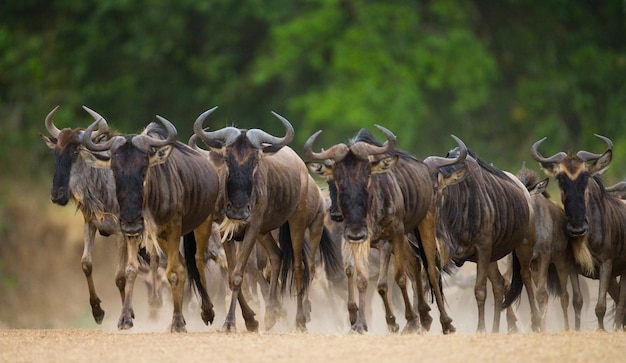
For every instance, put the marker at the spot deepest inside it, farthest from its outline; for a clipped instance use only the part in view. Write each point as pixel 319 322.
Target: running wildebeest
pixel 595 218
pixel 265 186
pixel 94 194
pixel 383 194
pixel 165 190
pixel 481 219
pixel 551 248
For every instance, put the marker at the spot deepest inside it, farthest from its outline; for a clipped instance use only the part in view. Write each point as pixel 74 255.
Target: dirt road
pixel 82 345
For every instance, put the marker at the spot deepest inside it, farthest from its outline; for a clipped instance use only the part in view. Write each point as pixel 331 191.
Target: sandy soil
pixel 81 345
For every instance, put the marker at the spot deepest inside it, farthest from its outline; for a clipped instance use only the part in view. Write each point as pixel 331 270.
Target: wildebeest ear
pixel 95 160
pixel 50 141
pixel 453 178
pixel 539 187
pixel 384 164
pixel 319 169
pixel 601 163
pixel 550 168
pixel 161 154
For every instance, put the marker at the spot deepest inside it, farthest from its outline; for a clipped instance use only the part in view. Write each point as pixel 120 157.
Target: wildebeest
pixel 481 219
pixel 165 190
pixel 94 194
pixel 595 218
pixel 552 261
pixel 383 194
pixel 265 186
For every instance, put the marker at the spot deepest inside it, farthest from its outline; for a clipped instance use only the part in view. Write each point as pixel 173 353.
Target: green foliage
pixel 500 75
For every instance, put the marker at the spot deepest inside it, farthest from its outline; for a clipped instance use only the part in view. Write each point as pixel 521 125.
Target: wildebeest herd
pixel 171 205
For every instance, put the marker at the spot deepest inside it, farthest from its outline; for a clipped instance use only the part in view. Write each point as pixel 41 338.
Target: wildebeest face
pixel 66 154
pixel 573 172
pixel 352 176
pixel 242 160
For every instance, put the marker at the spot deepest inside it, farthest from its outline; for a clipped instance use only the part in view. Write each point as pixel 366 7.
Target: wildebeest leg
pixel 540 275
pixel 132 268
pixel 524 253
pixel 315 229
pixel 231 257
pixel 155 299
pixel 300 273
pixel 480 287
pixel 426 231
pixel 385 257
pixel 175 272
pixel 604 276
pixel 577 298
pixel 562 268
pixel 497 286
pixel 202 234
pixel 273 307
pixel 398 244
pixel 353 308
pixel 94 300
pixel 122 260
pixel 621 303
pixel 419 295
pixel 236 279
pixel 360 253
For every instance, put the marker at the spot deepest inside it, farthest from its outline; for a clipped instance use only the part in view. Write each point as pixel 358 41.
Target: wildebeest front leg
pixel 383 289
pixel 236 279
pixel 497 285
pixel 621 304
pixel 412 321
pixel 577 297
pixel 132 268
pixel 360 252
pixel 604 276
pixel 202 234
pixel 94 300
pixel 273 308
pixel 480 288
pixel 175 272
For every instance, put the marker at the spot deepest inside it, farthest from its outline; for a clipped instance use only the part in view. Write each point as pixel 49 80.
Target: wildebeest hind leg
pixel 383 289
pixel 94 300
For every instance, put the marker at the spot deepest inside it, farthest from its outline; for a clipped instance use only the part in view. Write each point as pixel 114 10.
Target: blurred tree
pixel 499 75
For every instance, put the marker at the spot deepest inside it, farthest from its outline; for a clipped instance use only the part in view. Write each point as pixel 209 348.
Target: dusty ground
pixel 81 345
pixel 45 316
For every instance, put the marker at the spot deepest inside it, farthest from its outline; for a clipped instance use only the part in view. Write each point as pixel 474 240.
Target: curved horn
pixel 171 134
pixel 388 146
pixel 437 162
pixel 53 130
pixel 619 187
pixel 88 140
pixel 337 152
pixel 258 137
pixel 193 143
pixel 586 155
pixel 556 158
pixel 104 126
pixel 215 139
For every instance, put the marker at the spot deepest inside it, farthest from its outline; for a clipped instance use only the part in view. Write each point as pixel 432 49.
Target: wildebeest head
pixel 449 170
pixel 66 143
pixel 572 172
pixel 237 156
pixel 350 169
pixel 130 158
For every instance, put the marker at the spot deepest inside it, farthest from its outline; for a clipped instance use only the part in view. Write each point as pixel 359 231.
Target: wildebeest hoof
pixel 207 316
pixel 98 313
pixel 229 328
pixel 124 323
pixel 426 319
pixel 252 326
pixel 392 326
pixel 412 327
pixel 449 329
pixel 353 309
pixel 359 328
pixel 178 327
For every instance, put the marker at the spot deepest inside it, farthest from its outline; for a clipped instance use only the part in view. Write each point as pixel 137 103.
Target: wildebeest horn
pixel 258 137
pixel 556 158
pixel 88 139
pixel 586 155
pixel 104 126
pixel 337 152
pixel 619 187
pixel 53 130
pixel 215 139
pixel 389 145
pixel 171 134
pixel 437 162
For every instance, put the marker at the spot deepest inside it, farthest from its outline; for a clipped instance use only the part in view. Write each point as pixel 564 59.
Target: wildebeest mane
pixel 364 135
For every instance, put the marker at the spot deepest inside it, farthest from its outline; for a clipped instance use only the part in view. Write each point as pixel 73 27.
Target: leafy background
pixel 498 74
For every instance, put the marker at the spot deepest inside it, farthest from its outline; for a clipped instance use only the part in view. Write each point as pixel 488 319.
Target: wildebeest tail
pixel 554 285
pixel 287 256
pixel 330 253
pixel 515 289
pixel 189 247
